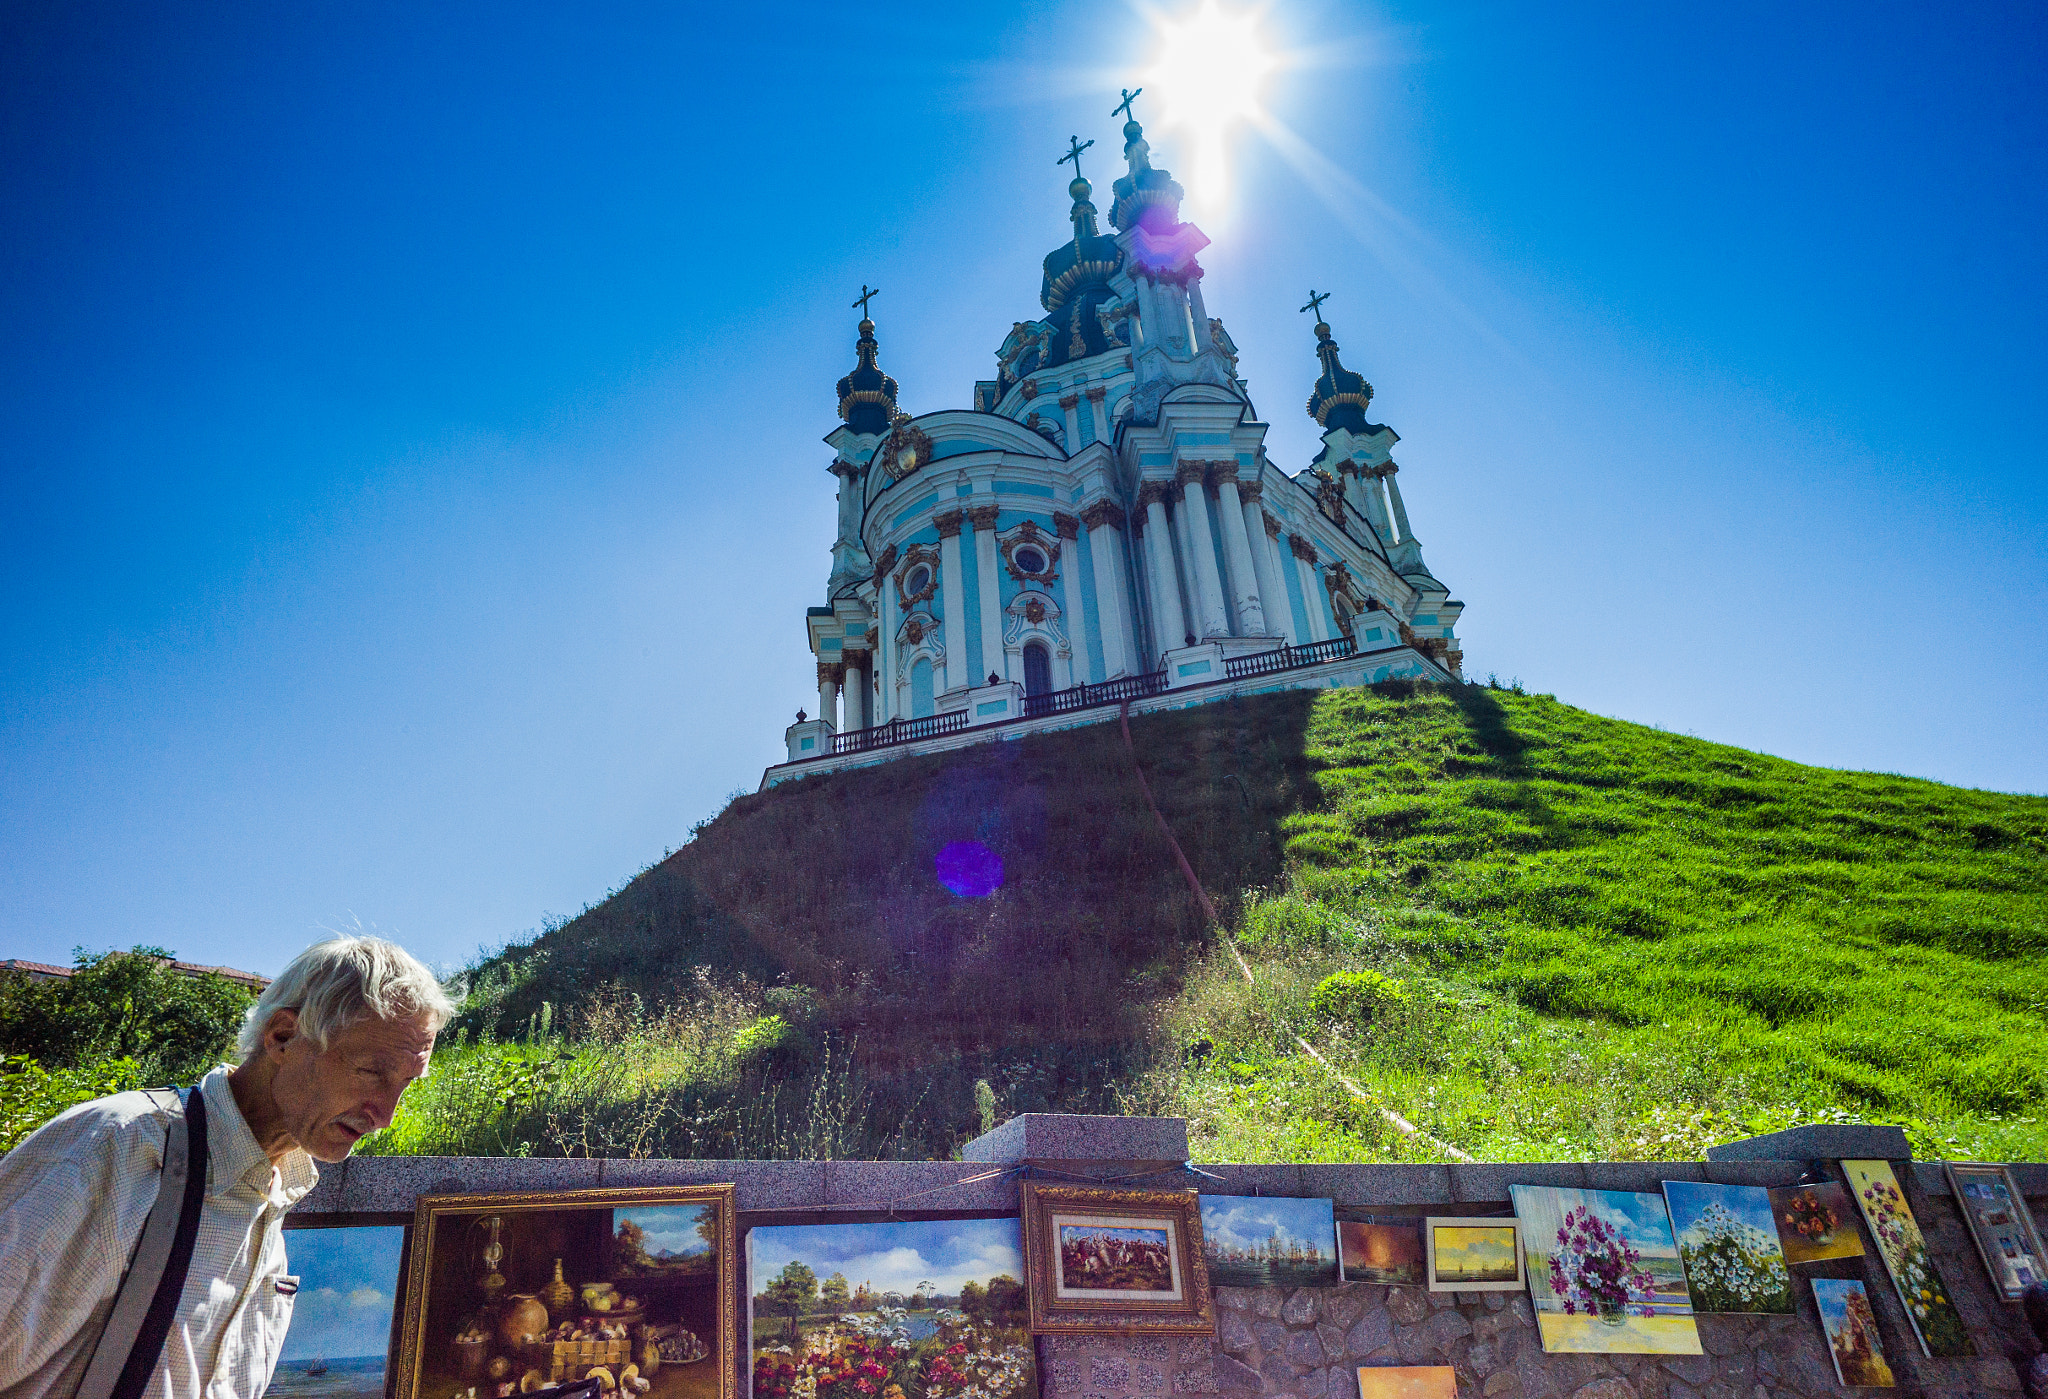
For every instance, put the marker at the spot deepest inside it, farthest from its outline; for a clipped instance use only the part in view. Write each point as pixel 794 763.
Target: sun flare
pixel 1210 66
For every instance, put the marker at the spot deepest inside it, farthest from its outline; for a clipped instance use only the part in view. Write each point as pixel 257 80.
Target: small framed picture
pixel 1100 1260
pixel 1851 1328
pixel 2001 1226
pixel 1472 1254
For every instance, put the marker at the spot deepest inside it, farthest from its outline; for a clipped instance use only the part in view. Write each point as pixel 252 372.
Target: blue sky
pixel 410 416
pixel 347 1281
pixel 892 1257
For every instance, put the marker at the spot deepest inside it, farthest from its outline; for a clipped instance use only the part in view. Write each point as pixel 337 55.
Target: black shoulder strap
pixel 163 1306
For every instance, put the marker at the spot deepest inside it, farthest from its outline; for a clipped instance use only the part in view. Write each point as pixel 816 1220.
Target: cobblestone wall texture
pixel 1309 1343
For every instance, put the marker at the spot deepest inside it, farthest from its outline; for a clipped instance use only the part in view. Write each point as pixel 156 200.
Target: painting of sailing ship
pixel 1267 1241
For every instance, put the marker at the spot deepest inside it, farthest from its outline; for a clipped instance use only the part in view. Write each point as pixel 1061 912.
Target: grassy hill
pixel 1595 939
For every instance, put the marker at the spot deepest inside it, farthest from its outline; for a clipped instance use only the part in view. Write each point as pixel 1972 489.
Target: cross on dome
pixel 1123 108
pixel 867 294
pixel 1315 303
pixel 1074 155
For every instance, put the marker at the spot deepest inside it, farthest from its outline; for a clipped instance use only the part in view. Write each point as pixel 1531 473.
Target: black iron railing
pixel 1289 657
pixel 1131 687
pixel 899 731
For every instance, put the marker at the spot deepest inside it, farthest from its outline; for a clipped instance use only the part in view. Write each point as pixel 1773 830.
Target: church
pixel 1102 525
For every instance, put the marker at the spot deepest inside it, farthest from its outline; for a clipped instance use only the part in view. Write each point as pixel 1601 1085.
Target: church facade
pixel 1103 525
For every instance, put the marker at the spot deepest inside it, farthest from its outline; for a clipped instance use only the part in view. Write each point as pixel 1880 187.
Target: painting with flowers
pixel 1728 1242
pixel 1899 1242
pixel 1816 1223
pixel 1604 1272
pixel 930 1309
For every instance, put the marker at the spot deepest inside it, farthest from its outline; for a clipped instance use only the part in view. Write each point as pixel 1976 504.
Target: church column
pixel 1069 402
pixel 994 661
pixel 1198 312
pixel 1073 597
pixel 1372 504
pixel 885 650
pixel 857 690
pixel 1169 625
pixel 1311 587
pixel 953 593
pixel 1272 592
pixel 1095 406
pixel 1105 547
pixel 1237 544
pixel 828 693
pixel 1212 615
pixel 1387 471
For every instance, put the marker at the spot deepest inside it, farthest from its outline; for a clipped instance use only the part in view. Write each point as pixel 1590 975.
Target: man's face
pixel 331 1099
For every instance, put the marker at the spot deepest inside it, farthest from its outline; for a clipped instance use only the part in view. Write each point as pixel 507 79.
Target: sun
pixel 1208 74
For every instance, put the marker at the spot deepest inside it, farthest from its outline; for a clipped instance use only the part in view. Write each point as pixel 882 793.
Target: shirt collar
pixel 234 1155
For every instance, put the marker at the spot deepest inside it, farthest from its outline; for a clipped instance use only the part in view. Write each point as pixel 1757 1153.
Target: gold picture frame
pixel 641 1278
pixel 1099 1260
pixel 2001 1225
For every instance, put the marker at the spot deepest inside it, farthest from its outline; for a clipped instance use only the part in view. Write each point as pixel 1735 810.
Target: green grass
pixel 1625 944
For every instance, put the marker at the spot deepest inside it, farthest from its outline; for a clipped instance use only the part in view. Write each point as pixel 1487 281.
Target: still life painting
pixel 1604 1272
pixel 1851 1329
pixel 1407 1382
pixel 1471 1254
pixel 929 1309
pixel 1388 1253
pixel 1816 1222
pixel 508 1294
pixel 1102 1260
pixel 1728 1242
pixel 1925 1296
pixel 2001 1224
pixel 1269 1241
pixel 339 1343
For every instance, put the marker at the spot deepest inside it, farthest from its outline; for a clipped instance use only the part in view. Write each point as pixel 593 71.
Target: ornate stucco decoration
pixel 1330 497
pixel 1303 550
pixel 983 516
pixel 916 556
pixel 1035 613
pixel 907 449
pixel 1029 535
pixel 948 523
pixel 1103 512
pixel 884 564
pixel 1065 525
pixel 920 634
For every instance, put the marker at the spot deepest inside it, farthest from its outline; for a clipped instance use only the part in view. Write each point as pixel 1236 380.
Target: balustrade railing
pixel 1089 696
pixel 899 731
pixel 1289 658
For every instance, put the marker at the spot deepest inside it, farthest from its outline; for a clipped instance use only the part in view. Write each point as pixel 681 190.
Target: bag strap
pixel 126 1355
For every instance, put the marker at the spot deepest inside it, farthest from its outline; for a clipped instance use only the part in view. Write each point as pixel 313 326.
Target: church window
pixel 1028 560
pixel 914 583
pixel 1037 669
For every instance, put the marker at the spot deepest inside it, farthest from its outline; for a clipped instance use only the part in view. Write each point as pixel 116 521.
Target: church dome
pixel 1076 283
pixel 1145 196
pixel 1341 396
pixel 867 397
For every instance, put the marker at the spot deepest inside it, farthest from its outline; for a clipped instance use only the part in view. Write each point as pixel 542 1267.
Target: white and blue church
pixel 1103 525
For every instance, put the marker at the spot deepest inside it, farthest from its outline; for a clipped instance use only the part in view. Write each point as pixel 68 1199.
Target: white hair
pixel 337 983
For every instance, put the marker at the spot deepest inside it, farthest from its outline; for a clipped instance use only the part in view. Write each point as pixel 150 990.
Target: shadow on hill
pixel 1043 986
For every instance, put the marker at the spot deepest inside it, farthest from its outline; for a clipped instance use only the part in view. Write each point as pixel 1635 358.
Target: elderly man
pixel 325 1053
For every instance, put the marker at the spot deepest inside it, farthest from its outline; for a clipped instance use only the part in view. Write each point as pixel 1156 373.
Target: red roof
pixel 42 970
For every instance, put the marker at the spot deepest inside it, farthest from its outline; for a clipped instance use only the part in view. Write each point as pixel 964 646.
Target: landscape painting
pixel 1728 1242
pixel 1604 1272
pixel 1816 1222
pixel 1899 1242
pixel 1472 1255
pixel 1382 1253
pixel 931 1309
pixel 339 1341
pixel 1407 1382
pixel 1269 1241
pixel 1851 1329
pixel 665 1241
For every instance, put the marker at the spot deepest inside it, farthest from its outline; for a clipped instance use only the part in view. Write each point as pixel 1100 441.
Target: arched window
pixel 1037 669
pixel 921 705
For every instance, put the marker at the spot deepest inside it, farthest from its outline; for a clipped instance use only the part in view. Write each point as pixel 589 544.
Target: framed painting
pixel 1728 1242
pixel 1471 1254
pixel 925 1309
pixel 1851 1329
pixel 1115 1261
pixel 339 1344
pixel 1936 1324
pixel 1382 1251
pixel 1816 1222
pixel 1407 1382
pixel 2001 1224
pixel 508 1294
pixel 1604 1272
pixel 1269 1241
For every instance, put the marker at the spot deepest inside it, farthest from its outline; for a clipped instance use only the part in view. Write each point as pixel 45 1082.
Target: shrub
pixel 1356 998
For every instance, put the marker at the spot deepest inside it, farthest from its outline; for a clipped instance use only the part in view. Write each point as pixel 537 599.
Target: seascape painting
pixel 1816 1222
pixel 1472 1254
pixel 1604 1272
pixel 1851 1330
pixel 933 1309
pixel 339 1342
pixel 1382 1253
pixel 1921 1291
pixel 1269 1241
pixel 1728 1242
